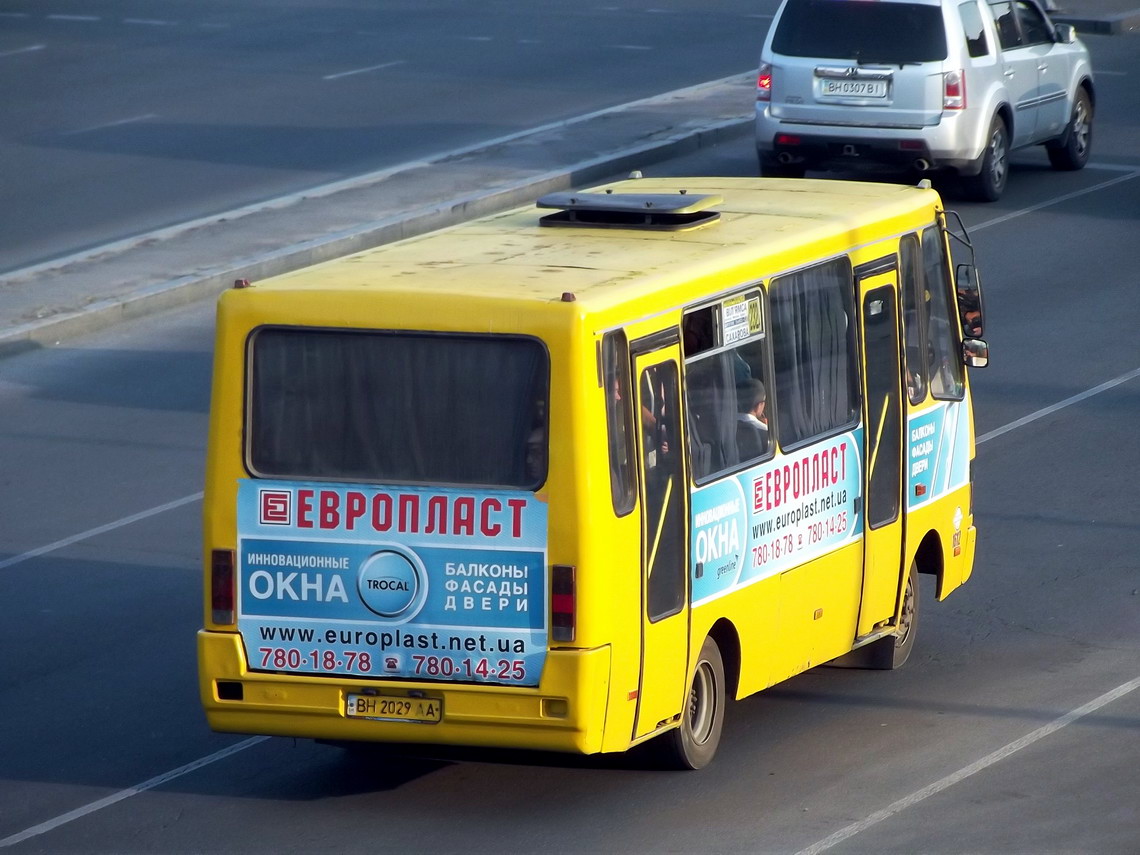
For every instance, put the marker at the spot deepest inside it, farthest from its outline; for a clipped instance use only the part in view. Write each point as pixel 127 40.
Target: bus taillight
pixel 222 585
pixel 563 602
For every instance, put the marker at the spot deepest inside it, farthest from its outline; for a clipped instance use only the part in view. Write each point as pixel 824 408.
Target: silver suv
pixel 921 84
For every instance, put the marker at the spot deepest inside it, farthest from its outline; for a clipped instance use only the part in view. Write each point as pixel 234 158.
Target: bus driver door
pixel 664 498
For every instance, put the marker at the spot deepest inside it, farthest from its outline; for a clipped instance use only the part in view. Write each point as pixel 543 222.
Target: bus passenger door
pixel 883 537
pixel 664 540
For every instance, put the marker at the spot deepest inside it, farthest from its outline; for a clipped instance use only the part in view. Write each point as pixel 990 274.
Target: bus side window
pixel 944 353
pixel 913 319
pixel 701 393
pixel 814 352
pixel 619 416
pixel 726 388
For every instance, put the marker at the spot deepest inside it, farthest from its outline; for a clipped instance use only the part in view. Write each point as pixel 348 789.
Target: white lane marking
pixel 630 47
pixel 14 15
pixel 157 781
pixel 74 18
pixel 478 38
pixel 370 178
pixel 1060 405
pixel 357 181
pixel 94 532
pixel 114 124
pixel 1133 172
pixel 27 49
pixel 975 767
pixel 1114 167
pixel 1101 71
pixel 149 22
pixel 362 70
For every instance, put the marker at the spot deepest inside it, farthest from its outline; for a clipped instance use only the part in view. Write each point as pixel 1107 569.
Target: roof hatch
pixel 652 211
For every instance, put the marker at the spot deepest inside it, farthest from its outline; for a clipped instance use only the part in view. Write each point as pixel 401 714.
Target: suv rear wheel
pixel 1072 150
pixel 988 184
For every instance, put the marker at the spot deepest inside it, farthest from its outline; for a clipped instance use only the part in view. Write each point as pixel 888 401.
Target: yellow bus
pixel 572 477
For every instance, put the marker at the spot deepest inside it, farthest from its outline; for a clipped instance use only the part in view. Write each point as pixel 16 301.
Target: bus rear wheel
pixel 693 744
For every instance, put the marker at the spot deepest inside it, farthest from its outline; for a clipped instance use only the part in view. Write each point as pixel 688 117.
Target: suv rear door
pixel 830 59
pixel 1019 69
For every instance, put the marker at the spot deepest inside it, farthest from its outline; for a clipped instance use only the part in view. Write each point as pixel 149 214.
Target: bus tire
pixel 693 744
pixel 891 652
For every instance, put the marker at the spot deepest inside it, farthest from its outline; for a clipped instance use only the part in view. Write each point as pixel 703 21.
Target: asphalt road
pixel 1014 728
pixel 123 116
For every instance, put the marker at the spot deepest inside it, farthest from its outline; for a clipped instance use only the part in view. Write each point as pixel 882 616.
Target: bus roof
pixel 765 226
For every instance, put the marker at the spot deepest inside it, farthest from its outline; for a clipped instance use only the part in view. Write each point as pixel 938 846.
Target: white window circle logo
pixel 391 583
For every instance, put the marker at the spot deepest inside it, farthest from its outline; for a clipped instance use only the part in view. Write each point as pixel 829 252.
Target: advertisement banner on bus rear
pixel 397 582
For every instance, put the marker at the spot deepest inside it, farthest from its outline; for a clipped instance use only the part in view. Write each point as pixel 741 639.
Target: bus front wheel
pixel 693 744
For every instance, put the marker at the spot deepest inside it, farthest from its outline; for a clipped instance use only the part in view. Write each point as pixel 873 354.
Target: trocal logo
pixel 391 583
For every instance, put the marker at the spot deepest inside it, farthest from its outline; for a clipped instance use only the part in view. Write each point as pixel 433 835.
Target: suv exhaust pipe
pixel 922 165
pixel 785 158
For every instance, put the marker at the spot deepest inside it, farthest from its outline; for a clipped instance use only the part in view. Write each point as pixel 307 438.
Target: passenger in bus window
pixel 653 414
pixel 751 423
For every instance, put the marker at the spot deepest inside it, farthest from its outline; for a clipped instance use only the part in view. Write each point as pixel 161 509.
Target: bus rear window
pixel 394 407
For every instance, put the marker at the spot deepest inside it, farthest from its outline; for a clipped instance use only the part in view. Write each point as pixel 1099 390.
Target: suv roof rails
pixel 651 211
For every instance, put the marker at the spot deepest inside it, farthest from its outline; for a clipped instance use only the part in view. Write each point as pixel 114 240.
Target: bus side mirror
pixel 969 300
pixel 975 353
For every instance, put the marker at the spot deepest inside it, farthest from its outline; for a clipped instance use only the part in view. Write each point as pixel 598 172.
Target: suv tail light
pixel 764 83
pixel 954 90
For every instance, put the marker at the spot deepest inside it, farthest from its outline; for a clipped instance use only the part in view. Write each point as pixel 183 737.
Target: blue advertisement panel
pixel 938 453
pixel 778 515
pixel 435 584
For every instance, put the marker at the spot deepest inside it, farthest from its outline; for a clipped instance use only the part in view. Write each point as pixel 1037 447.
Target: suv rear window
pixel 869 32
pixel 398 407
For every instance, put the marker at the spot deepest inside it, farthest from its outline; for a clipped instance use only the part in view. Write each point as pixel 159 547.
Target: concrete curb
pixel 208 283
pixel 88 292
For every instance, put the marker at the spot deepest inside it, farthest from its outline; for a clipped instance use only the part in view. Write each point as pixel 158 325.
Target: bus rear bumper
pixel 566 712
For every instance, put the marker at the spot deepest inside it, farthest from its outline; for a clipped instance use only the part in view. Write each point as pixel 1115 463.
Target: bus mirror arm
pixel 975 353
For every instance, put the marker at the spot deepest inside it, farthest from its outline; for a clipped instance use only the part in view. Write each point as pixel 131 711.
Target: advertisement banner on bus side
pixel 938 452
pixel 779 514
pixel 400 582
